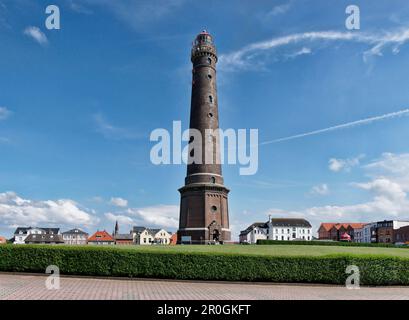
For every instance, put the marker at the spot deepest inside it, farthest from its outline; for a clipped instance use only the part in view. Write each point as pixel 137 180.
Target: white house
pixel 282 229
pixel 287 229
pixel 22 233
pixel 148 236
pixel 256 231
pixel 75 237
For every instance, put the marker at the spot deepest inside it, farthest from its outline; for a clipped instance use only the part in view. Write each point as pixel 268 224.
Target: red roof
pixel 101 236
pixel 354 225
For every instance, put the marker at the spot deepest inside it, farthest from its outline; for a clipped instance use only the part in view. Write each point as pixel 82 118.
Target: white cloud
pixel 36 34
pixel 119 202
pixel 110 131
pixel 78 8
pixel 388 186
pixel 248 57
pixel 122 219
pixel 4 113
pixel 338 165
pixel 16 211
pixel 165 216
pixel 279 9
pixel 301 52
pixel 366 121
pixel 321 189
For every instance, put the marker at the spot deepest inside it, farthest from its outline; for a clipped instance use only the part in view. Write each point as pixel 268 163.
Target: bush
pixel 97 261
pixel 328 243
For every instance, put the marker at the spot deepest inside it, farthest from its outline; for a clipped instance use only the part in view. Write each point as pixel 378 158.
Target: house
pixel 401 235
pixel 3 240
pixel 281 229
pixel 75 237
pixel 124 239
pixel 146 236
pixel 174 239
pixel 384 231
pixel 21 233
pixel 256 231
pixel 287 229
pixel 44 238
pixel 334 231
pixel 101 238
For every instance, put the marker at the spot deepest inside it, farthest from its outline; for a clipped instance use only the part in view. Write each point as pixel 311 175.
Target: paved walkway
pixel 33 287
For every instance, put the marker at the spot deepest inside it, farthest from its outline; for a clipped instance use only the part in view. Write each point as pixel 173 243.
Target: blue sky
pixel 77 106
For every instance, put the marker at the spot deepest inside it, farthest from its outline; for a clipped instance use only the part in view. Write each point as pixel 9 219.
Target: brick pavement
pixel 32 287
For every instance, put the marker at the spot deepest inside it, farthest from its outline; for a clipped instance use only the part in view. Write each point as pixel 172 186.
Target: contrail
pixel 341 126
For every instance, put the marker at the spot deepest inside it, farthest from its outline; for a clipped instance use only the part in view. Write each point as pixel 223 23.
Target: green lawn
pixel 273 250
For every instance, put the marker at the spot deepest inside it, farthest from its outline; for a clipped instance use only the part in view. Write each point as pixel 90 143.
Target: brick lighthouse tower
pixel 204 211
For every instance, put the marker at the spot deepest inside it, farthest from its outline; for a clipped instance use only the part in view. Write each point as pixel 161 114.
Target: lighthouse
pixel 204 211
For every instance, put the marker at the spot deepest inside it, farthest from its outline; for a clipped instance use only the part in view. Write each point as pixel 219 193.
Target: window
pixel 288 230
pixel 210 115
pixel 211 99
pixel 213 209
pixel 209 61
pixel 213 180
pixel 282 237
pixel 209 76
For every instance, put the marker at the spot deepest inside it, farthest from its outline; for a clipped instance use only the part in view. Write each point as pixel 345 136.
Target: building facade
pixel 280 229
pixel 401 235
pixel 44 238
pixel 287 229
pixel 385 230
pixel 75 237
pixel 102 238
pixel 334 231
pixel 204 211
pixel 149 236
pixel 257 231
pixel 21 233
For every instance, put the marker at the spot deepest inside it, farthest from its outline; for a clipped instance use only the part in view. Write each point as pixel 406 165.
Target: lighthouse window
pixel 211 99
pixel 213 208
pixel 209 60
pixel 210 115
pixel 213 179
pixel 209 76
pixel 192 153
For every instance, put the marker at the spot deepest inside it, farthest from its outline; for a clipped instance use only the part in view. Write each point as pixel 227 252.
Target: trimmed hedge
pixel 328 243
pixel 92 261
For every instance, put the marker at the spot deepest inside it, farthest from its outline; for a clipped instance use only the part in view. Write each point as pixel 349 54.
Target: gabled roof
pixel 290 222
pixel 138 229
pixel 152 232
pixel 125 236
pixel 101 236
pixel 51 230
pixel 46 230
pixel 329 225
pixel 44 238
pixel 75 231
pixel 22 229
pixel 254 225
